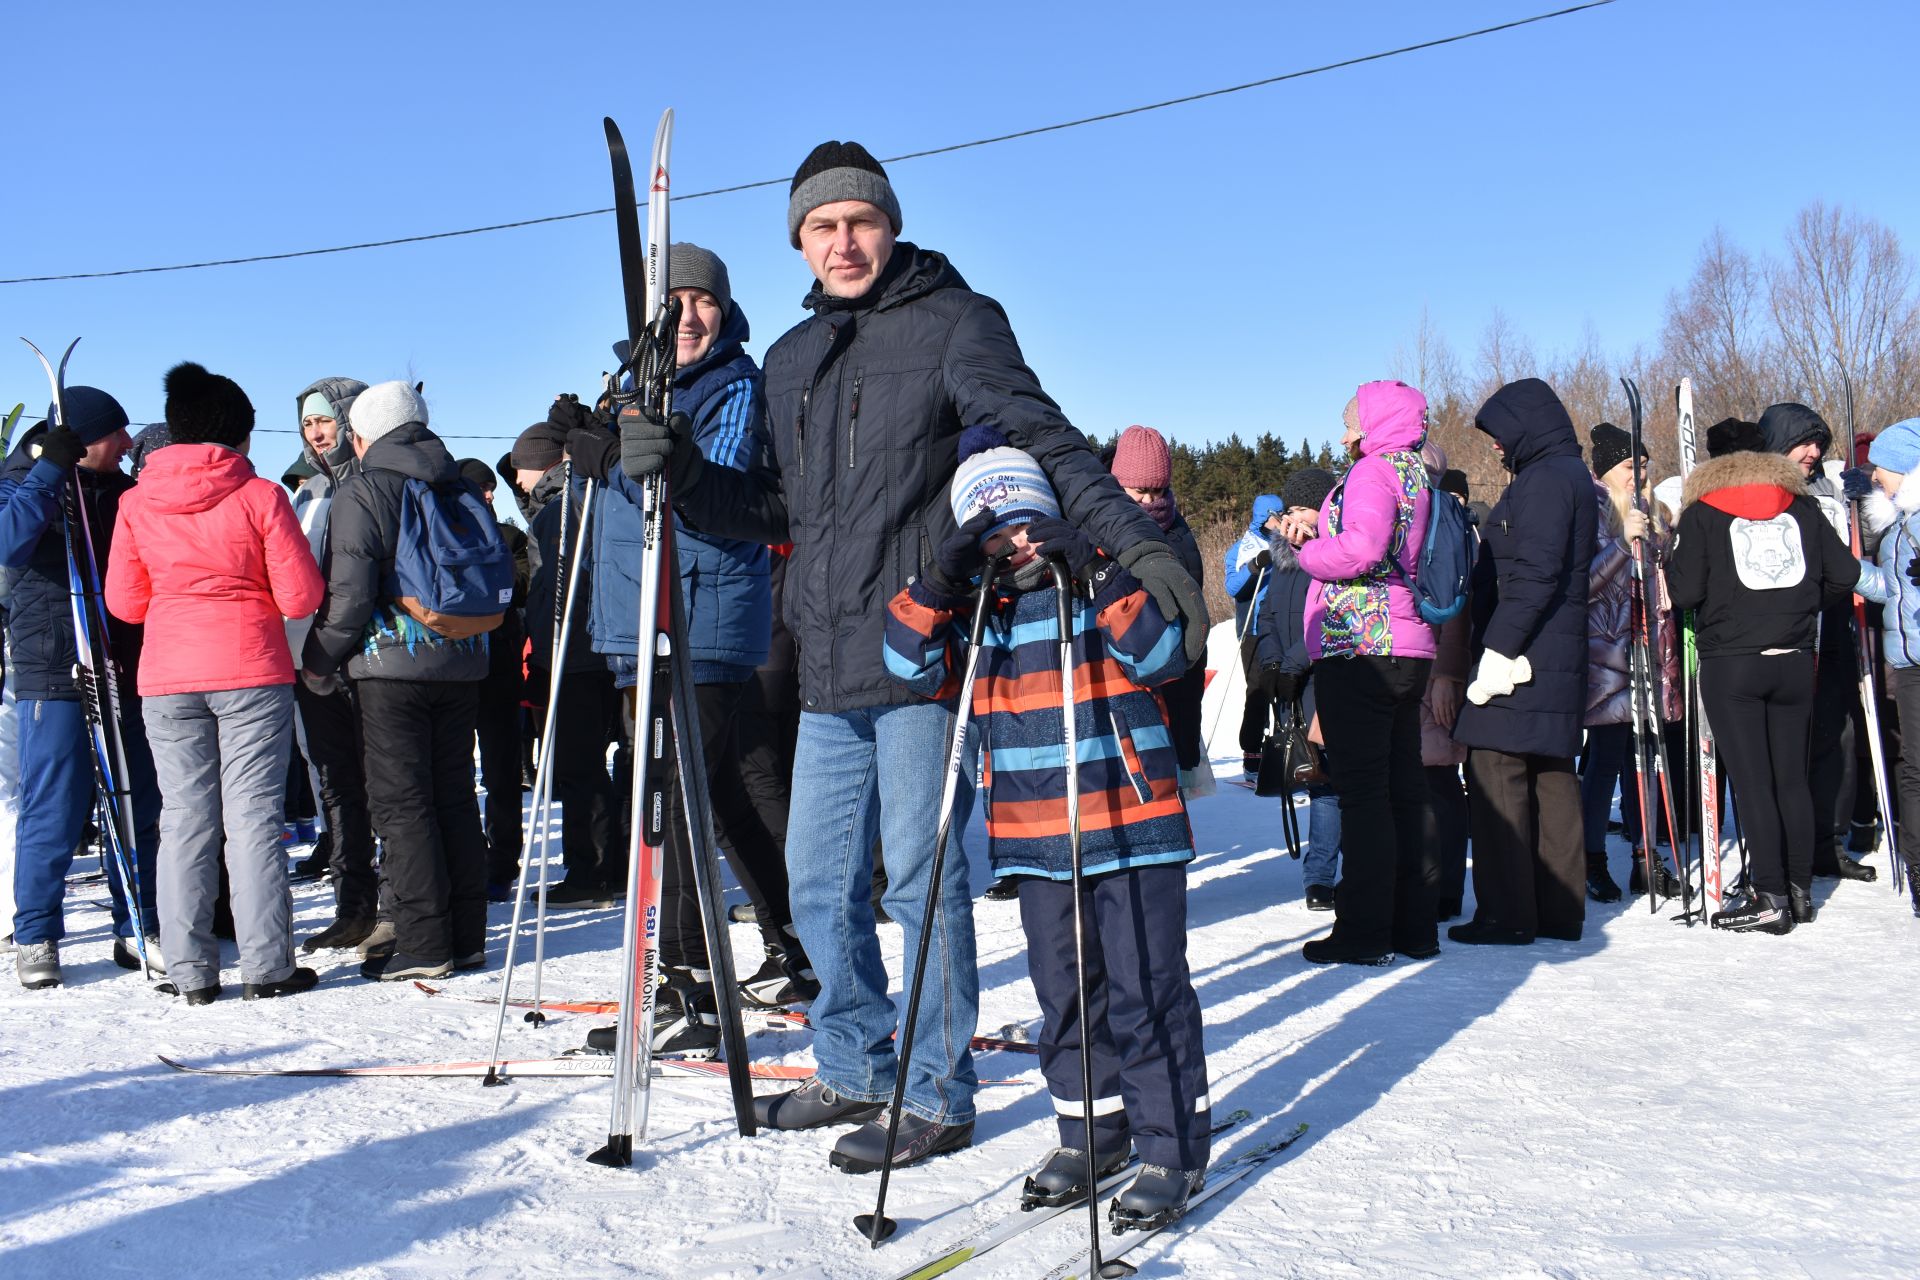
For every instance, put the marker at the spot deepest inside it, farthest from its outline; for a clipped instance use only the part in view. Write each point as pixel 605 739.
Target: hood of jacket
pixel 412 451
pixel 1264 506
pixel 1393 417
pixel 912 272
pixel 1528 421
pixel 192 477
pixel 1752 486
pixel 340 393
pixel 1788 424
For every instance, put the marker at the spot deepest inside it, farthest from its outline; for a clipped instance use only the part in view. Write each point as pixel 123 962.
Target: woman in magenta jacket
pixel 211 558
pixel 1372 653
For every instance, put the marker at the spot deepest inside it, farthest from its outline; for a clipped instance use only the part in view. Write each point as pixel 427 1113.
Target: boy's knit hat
pixel 691 267
pixel 836 171
pixel 994 474
pixel 1141 460
pixel 384 408
pixel 539 447
pixel 206 408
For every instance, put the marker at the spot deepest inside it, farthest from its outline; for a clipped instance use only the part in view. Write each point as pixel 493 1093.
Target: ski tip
pixel 876 1229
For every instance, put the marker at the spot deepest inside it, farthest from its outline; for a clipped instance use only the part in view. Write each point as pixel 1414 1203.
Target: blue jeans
pixel 878 771
pixel 56 799
pixel 1321 862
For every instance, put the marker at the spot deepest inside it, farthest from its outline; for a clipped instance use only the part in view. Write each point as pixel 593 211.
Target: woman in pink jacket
pixel 1372 652
pixel 210 557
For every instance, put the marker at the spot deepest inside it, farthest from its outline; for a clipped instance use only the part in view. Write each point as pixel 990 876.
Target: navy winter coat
pixel 1530 582
pixel 723 581
pixel 866 402
pixel 33 556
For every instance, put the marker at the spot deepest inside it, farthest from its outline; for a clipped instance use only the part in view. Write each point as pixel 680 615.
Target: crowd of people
pixel 837 512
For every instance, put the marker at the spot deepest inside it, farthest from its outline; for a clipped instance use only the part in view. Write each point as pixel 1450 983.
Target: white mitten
pixel 1497 677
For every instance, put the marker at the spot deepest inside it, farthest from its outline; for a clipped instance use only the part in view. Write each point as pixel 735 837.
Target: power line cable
pixel 773 182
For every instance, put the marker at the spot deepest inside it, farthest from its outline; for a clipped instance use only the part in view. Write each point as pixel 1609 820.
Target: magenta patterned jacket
pixel 1359 603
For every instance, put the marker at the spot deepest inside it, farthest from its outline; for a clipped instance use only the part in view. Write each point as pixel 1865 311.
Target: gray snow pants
pixel 221 761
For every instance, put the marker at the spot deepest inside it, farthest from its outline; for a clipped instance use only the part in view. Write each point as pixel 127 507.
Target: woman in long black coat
pixel 1528 690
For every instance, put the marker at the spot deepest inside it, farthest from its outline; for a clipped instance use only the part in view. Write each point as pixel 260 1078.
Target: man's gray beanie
pixel 691 267
pixel 838 171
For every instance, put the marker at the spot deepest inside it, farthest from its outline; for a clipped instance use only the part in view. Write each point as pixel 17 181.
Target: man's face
pixel 847 244
pixel 1011 542
pixel 524 478
pixel 700 320
pixel 1806 455
pixel 105 454
pixel 321 433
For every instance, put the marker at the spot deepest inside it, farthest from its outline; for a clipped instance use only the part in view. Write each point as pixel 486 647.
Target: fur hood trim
pixel 1739 470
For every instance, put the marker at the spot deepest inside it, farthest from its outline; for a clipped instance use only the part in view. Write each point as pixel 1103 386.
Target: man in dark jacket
pixel 499 716
pixel 729 607
pixel 1804 438
pixel 418 694
pixel 867 400
pixel 1529 686
pixel 328 724
pixel 79 457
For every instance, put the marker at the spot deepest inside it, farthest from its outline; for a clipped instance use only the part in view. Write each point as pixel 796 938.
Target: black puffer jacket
pixel 33 551
pixel 1530 581
pixel 866 401
pixel 359 626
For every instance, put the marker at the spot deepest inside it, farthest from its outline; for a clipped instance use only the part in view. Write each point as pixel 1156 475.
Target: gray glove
pixel 1173 589
pixel 649 447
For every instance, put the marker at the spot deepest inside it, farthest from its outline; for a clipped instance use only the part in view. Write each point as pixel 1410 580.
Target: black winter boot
pixel 1663 880
pixel 1601 886
pixel 1830 863
pixel 1800 903
pixel 1913 886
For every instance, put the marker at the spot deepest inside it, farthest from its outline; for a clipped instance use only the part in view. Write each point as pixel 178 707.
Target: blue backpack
pixel 1439 581
pixel 452 570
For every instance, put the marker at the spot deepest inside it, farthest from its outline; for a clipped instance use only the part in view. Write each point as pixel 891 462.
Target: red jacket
pixel 211 558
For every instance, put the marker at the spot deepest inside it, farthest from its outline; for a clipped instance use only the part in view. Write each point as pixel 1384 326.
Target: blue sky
pixel 1237 264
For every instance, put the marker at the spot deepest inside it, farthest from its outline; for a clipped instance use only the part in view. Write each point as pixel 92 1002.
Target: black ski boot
pixel 1158 1196
pixel 1829 863
pixel 1601 886
pixel 1800 904
pixel 785 977
pixel 1757 913
pixel 1663 880
pixel 686 1022
pixel 1062 1179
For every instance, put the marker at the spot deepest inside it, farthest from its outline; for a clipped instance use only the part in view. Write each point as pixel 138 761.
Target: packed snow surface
pixel 1652 1100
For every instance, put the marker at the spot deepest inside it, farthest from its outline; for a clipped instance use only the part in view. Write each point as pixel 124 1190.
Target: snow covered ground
pixel 1652 1100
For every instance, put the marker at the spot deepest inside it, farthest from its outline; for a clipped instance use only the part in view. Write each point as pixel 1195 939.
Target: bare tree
pixel 1719 330
pixel 1429 363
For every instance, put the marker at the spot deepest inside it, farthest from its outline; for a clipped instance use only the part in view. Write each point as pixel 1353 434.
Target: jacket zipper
pixel 853 418
pixel 800 428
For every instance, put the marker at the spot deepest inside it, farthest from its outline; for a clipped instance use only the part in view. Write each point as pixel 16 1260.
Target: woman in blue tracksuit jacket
pixel 729 606
pixel 1892 578
pixel 1249 571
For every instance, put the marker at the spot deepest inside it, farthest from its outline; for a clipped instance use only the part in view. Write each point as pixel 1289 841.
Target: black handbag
pixel 1288 762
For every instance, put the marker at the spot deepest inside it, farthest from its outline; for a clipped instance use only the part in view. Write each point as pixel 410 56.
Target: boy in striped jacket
pixel 1149 1067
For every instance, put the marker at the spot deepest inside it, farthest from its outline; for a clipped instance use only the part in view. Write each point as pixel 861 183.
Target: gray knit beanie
pixel 838 171
pixel 691 267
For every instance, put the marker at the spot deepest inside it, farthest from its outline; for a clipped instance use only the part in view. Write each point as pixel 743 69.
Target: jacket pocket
pixel 1130 755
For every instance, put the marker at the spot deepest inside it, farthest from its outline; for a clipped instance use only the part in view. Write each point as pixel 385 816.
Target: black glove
pixel 1263 561
pixel 960 557
pixel 62 447
pixel 1277 684
pixel 1173 589
pixel 569 414
pixel 649 447
pixel 1051 536
pixel 1856 483
pixel 593 451
pixel 1913 571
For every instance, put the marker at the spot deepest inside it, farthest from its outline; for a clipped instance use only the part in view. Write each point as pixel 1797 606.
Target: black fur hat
pixel 206 408
pixel 1731 435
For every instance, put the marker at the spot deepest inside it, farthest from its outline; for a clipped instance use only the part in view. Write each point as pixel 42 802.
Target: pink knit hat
pixel 1140 459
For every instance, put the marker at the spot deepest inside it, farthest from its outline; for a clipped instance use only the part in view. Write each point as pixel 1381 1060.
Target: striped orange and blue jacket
pixel 1131 814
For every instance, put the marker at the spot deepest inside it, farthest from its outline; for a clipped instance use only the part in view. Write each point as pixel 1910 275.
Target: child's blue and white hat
pixel 994 474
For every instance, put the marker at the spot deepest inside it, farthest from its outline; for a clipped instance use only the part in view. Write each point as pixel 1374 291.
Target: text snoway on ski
pixel 664 707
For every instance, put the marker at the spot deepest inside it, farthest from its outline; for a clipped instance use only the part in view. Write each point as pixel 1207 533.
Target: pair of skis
pixel 666 716
pixel 97 676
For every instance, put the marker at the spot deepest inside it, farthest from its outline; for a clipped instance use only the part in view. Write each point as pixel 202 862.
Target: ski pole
pixel 1070 721
pixel 1239 639
pixel 877 1226
pixel 542 785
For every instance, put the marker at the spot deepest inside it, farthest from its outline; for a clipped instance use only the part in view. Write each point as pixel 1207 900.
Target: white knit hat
pixel 384 407
pixel 992 473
